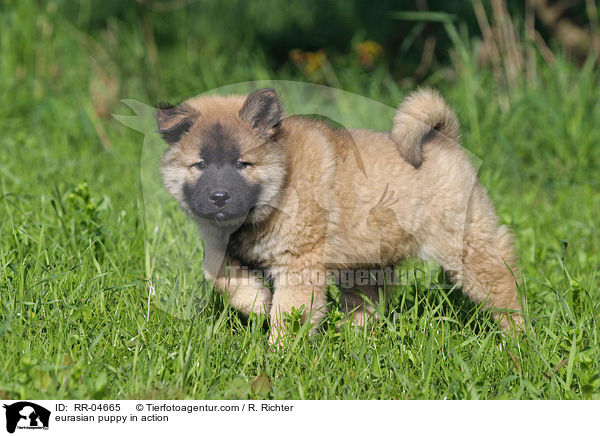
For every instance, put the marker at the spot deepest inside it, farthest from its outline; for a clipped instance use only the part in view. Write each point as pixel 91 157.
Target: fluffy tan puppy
pixel 303 202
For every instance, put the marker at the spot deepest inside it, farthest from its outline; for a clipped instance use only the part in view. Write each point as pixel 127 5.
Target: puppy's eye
pixel 200 165
pixel 240 165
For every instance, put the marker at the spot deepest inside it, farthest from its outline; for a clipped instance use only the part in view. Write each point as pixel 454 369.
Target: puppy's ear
pixel 174 121
pixel 263 111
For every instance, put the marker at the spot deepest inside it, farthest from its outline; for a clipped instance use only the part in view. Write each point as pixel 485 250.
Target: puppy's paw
pixel 512 324
pixel 276 337
pixel 261 304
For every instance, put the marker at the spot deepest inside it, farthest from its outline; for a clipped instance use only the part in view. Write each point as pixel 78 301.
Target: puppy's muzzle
pixel 219 198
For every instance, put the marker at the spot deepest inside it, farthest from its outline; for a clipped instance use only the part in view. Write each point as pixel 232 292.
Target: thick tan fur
pixel 411 193
pixel 421 112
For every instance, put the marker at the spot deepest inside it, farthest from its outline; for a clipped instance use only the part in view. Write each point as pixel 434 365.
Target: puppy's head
pixel 224 163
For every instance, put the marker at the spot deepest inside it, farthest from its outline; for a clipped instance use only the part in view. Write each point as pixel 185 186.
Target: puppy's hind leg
pixel 489 272
pixel 360 301
pixel 480 259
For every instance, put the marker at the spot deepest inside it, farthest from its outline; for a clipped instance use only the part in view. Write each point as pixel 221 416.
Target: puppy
pixel 297 199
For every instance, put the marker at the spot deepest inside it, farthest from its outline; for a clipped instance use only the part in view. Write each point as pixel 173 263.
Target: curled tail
pixel 417 115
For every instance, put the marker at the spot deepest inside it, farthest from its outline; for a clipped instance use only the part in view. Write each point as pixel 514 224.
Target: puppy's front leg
pixel 244 291
pixel 297 288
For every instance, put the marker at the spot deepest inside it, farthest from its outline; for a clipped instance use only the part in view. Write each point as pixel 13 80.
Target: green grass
pixel 75 317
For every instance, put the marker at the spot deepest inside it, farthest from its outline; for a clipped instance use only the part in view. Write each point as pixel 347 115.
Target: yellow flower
pixel 368 51
pixel 309 62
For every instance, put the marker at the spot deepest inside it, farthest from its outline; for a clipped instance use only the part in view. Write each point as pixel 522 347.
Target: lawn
pixel 77 314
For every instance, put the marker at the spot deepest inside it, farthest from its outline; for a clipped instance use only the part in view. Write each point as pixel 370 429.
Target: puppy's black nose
pixel 219 198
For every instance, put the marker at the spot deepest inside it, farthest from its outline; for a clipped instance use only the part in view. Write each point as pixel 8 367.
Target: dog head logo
pixel 26 415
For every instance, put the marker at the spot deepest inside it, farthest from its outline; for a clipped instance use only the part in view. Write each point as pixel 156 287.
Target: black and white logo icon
pixel 26 415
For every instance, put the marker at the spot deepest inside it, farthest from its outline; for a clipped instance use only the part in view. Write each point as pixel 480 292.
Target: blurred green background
pixel 76 317
pixel 180 47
